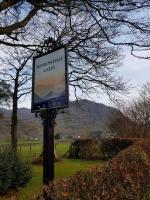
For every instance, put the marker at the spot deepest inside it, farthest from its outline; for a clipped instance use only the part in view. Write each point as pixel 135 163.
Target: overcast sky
pixel 137 71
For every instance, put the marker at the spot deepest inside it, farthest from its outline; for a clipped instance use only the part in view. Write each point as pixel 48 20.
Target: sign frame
pixel 42 107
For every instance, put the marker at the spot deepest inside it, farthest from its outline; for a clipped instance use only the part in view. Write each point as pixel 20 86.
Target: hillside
pixel 81 118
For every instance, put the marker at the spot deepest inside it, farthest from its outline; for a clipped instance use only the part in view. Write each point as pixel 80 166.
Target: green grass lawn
pixel 63 168
pixel 28 152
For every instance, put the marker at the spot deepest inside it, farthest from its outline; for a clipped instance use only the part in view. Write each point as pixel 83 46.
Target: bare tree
pixel 123 126
pixel 134 121
pixel 93 31
pixel 16 71
pixel 140 110
pixel 128 20
pixel 92 60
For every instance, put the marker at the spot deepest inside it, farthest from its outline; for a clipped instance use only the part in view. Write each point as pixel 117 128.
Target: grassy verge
pixel 64 168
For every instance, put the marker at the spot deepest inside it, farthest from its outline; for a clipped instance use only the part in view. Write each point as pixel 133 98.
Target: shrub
pixel 112 146
pixel 82 186
pixel 84 149
pixel 13 171
pixel 147 193
pixel 125 177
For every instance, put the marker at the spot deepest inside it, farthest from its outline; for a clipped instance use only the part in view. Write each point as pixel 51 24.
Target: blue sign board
pixel 50 80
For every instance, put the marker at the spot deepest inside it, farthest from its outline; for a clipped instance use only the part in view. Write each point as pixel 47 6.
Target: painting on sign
pixel 50 83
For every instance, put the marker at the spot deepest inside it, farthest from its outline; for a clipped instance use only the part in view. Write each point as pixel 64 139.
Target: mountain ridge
pixel 82 117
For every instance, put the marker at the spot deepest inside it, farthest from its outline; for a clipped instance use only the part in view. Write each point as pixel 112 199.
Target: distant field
pixel 21 142
pixel 29 149
pixel 63 168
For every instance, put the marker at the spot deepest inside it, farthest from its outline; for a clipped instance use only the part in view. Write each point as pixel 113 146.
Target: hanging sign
pixel 50 80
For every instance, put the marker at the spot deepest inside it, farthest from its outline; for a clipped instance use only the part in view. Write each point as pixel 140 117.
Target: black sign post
pixel 48 117
pixel 49 93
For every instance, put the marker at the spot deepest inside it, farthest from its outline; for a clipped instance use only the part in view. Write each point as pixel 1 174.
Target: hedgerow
pixel 110 147
pixel 92 149
pixel 84 149
pixel 125 177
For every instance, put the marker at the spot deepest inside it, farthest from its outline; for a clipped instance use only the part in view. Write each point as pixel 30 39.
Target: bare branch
pixel 6 4
pixel 9 29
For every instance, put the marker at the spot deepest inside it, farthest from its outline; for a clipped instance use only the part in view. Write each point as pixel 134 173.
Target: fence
pixel 27 149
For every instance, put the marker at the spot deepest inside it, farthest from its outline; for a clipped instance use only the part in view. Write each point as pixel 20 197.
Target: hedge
pixel 84 149
pixel 125 177
pixel 110 147
pixel 93 149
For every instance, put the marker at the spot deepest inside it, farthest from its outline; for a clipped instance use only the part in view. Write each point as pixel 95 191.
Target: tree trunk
pixel 14 117
pixel 14 124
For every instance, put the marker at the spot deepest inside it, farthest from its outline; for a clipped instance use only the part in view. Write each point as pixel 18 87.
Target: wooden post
pixel 48 141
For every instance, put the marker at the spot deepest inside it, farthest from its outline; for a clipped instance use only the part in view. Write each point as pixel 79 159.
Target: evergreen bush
pixel 14 172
